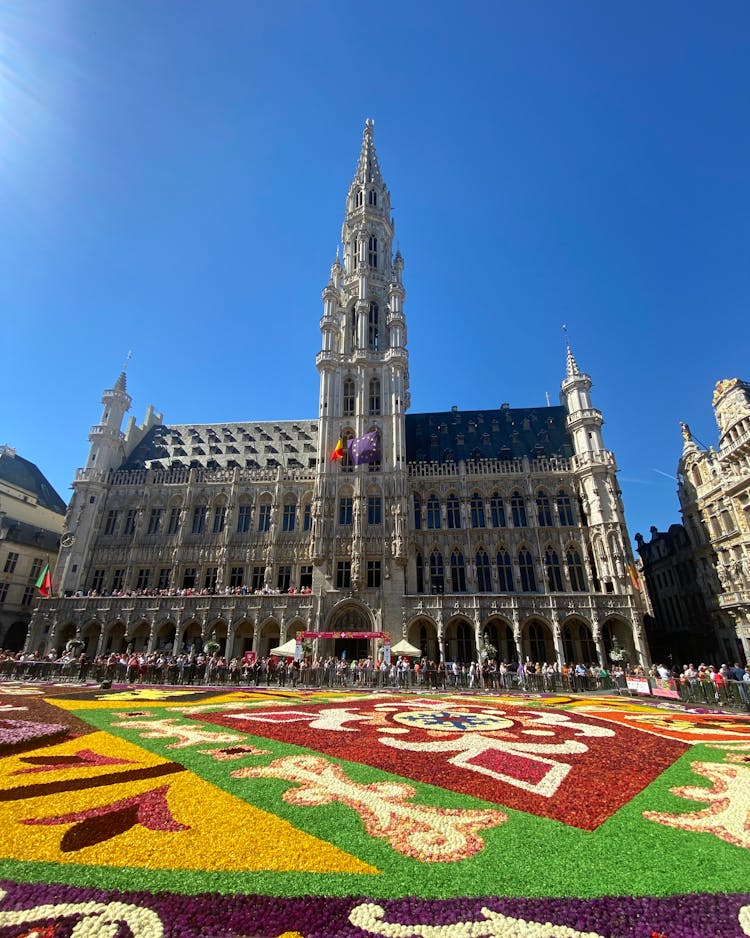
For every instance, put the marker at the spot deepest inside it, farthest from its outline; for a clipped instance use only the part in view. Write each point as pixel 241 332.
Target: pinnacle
pixel 368 169
pixel 572 369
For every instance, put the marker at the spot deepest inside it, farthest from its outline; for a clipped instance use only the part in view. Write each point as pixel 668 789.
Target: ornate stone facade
pixel 714 492
pixel 460 530
pixel 31 520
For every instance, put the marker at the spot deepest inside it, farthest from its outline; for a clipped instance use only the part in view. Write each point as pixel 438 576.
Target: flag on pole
pixel 633 573
pixel 44 583
pixel 365 449
pixel 338 452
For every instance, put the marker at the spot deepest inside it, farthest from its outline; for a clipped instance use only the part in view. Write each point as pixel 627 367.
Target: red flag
pixel 338 452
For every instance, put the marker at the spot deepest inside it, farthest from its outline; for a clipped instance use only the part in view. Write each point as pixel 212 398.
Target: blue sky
pixel 172 182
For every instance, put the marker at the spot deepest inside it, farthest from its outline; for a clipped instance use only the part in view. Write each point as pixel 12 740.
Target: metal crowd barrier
pixel 732 694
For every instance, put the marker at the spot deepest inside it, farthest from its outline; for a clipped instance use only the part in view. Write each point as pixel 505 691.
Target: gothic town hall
pixel 455 530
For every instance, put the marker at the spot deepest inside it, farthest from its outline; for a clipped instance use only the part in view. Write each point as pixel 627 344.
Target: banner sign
pixel 665 688
pixel 249 657
pixel 639 684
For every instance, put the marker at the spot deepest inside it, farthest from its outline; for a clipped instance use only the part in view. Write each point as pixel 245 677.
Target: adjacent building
pixel 31 521
pixel 714 493
pixel 461 531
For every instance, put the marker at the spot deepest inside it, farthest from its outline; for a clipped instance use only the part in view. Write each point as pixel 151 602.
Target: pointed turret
pixel 368 168
pixel 106 437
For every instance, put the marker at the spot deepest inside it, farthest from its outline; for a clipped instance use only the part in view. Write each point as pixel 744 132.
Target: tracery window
pixel 453 512
pixel 458 572
pixel 484 577
pixel 437 573
pixel 564 509
pixel 554 571
pixel 576 570
pixel 433 512
pixel 348 397
pixel 372 251
pixel 526 570
pixel 518 510
pixel 373 328
pixel 374 397
pixel 477 511
pixel 504 571
pixel 497 510
pixel 543 509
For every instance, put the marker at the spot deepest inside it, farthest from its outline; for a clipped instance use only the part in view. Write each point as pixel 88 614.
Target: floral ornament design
pixel 91 827
pixel 186 734
pixel 371 918
pixel 94 918
pixel 728 813
pixel 421 832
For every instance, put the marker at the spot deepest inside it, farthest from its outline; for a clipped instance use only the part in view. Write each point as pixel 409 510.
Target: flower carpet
pixel 255 813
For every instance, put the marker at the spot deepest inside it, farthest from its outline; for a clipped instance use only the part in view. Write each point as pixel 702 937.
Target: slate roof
pixel 444 436
pixel 22 474
pixel 265 445
pixel 507 433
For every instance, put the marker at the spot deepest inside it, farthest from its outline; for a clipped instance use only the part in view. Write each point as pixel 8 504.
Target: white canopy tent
pixel 404 648
pixel 286 650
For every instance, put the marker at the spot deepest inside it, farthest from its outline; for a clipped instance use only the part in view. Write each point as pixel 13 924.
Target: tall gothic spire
pixel 368 169
pixel 571 366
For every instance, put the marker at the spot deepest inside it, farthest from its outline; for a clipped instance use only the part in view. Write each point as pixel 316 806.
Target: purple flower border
pixel 223 916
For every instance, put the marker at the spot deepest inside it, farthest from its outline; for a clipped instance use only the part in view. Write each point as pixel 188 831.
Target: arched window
pixel 437 574
pixel 543 509
pixel 417 512
pixel 348 397
pixel 372 251
pixel 526 569
pixel 564 509
pixel 477 511
pixel 420 573
pixel 497 510
pixel 554 572
pixel 453 512
pixel 484 578
pixel 433 512
pixel 373 328
pixel 504 571
pixel 372 197
pixel 458 572
pixel 307 517
pixel 374 397
pixel 355 253
pixel 518 510
pixel 358 199
pixel 576 570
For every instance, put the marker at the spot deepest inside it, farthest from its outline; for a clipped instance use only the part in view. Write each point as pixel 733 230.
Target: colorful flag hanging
pixel 44 583
pixel 338 452
pixel 365 449
pixel 633 573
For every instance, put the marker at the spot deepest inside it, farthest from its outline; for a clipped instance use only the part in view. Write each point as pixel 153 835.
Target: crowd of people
pixel 191 591
pixel 708 683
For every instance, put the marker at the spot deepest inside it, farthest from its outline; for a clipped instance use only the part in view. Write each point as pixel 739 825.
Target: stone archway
pixel 423 634
pixel 460 641
pixel 537 641
pixel 269 637
pixel 242 639
pixel 165 635
pixel 578 642
pixel 351 617
pixel 499 632
pixel 90 635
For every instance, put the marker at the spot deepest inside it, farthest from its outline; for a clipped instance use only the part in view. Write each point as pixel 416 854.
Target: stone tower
pixel 364 388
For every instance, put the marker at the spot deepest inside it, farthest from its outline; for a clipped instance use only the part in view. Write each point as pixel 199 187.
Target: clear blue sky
pixel 172 181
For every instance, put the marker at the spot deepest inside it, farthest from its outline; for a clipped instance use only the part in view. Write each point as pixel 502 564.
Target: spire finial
pixel 571 365
pixel 368 169
pixel 127 361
